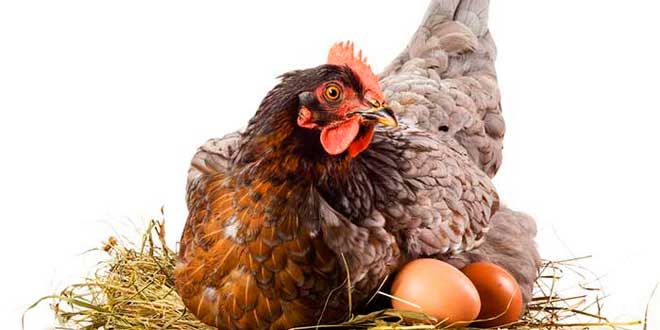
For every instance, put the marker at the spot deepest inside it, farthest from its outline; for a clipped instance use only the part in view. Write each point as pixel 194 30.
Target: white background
pixel 102 104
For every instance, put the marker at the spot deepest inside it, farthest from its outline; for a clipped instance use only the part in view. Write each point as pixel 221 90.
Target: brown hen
pixel 324 189
pixel 275 231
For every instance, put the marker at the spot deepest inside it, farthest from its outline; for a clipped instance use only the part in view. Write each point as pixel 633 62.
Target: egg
pixel 499 292
pixel 438 288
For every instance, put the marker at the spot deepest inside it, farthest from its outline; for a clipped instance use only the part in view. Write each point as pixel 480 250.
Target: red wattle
pixel 336 139
pixel 362 143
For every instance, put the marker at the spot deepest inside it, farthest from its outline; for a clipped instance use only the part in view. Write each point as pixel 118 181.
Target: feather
pixel 448 70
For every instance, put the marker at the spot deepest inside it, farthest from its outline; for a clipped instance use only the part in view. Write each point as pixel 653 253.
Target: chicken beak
pixel 382 115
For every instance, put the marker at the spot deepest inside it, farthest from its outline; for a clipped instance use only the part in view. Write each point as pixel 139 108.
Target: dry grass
pixel 134 289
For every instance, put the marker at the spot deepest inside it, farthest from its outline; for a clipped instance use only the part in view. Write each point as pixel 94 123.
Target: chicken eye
pixel 332 93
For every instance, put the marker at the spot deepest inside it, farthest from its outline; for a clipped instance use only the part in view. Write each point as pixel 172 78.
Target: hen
pixel 325 187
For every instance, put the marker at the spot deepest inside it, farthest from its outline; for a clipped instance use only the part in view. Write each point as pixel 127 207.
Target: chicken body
pixel 273 236
pixel 445 82
pixel 278 227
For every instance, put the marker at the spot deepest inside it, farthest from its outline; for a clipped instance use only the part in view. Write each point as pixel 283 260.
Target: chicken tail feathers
pixel 445 80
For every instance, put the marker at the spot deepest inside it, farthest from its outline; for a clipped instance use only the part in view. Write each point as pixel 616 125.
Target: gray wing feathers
pixel 213 157
pixel 445 80
pixel 370 250
pixel 444 202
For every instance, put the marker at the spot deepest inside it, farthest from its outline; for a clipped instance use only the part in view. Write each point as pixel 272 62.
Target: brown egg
pixel 438 288
pixel 499 292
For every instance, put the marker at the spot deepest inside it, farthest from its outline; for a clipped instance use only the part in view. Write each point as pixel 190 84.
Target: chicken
pixel 445 82
pixel 325 190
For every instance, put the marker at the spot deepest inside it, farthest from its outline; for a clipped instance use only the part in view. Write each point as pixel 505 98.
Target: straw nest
pixel 134 289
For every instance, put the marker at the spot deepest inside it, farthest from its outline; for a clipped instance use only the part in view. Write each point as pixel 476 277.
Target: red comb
pixel 343 53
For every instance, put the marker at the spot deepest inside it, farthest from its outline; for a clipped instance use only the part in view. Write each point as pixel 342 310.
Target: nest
pixel 134 289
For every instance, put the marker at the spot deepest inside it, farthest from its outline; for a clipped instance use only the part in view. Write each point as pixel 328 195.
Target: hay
pixel 134 289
